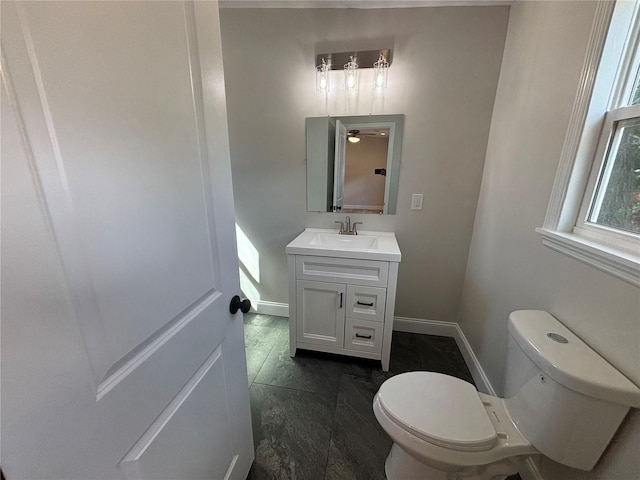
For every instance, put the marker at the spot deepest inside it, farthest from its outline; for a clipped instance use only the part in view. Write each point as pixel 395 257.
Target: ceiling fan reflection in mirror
pixel 354 136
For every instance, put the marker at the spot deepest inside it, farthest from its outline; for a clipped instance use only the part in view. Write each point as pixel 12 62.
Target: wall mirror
pixel 353 163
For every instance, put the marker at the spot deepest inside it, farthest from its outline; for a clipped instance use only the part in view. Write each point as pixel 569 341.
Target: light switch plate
pixel 416 201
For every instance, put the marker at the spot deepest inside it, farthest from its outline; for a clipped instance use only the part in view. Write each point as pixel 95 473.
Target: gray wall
pixel 444 75
pixel 508 267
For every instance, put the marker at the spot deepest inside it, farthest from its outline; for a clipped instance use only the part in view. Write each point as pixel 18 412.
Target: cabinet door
pixel 320 313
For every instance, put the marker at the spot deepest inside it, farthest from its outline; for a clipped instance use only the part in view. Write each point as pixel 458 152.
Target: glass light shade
pixel 351 76
pixel 353 139
pixel 323 79
pixel 380 73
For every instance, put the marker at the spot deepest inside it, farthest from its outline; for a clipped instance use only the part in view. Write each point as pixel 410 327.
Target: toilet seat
pixel 439 409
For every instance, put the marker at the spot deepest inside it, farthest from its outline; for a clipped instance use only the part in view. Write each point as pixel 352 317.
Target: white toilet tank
pixel 565 399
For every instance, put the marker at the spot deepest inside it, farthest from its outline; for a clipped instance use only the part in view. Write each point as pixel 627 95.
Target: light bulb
pixel 381 69
pixel 323 83
pixel 351 75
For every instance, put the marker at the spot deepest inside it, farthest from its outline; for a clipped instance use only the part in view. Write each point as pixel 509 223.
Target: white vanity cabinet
pixel 341 305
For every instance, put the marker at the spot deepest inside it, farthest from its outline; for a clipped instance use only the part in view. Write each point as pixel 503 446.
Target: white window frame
pixel 594 113
pixel 609 139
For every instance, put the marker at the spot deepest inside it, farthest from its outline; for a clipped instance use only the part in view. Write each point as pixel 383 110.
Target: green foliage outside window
pixel 620 207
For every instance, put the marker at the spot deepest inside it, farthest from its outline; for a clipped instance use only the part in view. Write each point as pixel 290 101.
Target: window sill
pixel 620 264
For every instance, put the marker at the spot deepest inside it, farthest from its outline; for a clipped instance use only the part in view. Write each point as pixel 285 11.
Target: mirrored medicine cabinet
pixel 353 163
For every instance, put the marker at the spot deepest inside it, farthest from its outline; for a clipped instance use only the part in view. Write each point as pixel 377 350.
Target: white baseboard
pixel 453 330
pixel 479 377
pixel 425 327
pixel 270 308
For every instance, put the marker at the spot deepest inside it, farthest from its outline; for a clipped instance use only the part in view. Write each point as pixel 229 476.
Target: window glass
pixel 617 201
pixel 635 94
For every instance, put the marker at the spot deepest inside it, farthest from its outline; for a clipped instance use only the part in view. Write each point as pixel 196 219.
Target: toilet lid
pixel 440 409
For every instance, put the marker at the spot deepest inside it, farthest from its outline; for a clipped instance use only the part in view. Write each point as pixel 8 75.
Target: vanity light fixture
pixel 380 72
pixel 351 75
pixel 351 63
pixel 323 80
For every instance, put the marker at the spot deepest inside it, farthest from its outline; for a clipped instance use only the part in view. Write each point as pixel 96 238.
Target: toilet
pixel 561 400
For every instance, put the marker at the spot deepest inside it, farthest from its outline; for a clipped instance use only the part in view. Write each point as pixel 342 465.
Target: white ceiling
pixel 357 3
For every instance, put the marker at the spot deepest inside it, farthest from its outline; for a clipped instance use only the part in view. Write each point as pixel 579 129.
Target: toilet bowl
pixel 442 426
pixel 561 400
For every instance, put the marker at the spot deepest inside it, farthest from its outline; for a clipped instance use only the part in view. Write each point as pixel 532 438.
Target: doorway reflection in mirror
pixel 365 170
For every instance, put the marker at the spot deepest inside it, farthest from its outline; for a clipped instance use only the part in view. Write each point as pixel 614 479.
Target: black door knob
pixel 236 304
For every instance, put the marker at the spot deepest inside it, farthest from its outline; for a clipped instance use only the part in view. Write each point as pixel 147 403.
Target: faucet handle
pixel 353 227
pixel 341 226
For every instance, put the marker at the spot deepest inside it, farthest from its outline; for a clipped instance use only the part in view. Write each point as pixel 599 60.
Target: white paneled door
pixel 120 358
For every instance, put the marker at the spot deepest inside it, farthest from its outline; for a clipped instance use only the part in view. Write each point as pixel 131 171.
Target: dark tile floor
pixel 312 415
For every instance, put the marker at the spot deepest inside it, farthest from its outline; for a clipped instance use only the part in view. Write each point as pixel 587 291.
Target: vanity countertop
pixel 367 245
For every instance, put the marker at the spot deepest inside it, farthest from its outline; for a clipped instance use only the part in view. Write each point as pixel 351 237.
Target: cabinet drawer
pixel 342 270
pixel 366 303
pixel 363 335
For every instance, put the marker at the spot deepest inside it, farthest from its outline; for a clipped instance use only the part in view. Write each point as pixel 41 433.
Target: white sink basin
pixel 344 241
pixel 328 243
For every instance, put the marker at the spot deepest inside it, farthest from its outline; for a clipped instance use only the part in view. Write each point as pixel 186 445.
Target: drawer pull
pixel 366 304
pixel 340 299
pixel 363 336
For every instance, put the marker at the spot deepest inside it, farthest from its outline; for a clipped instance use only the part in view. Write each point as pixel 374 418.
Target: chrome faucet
pixel 348 228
